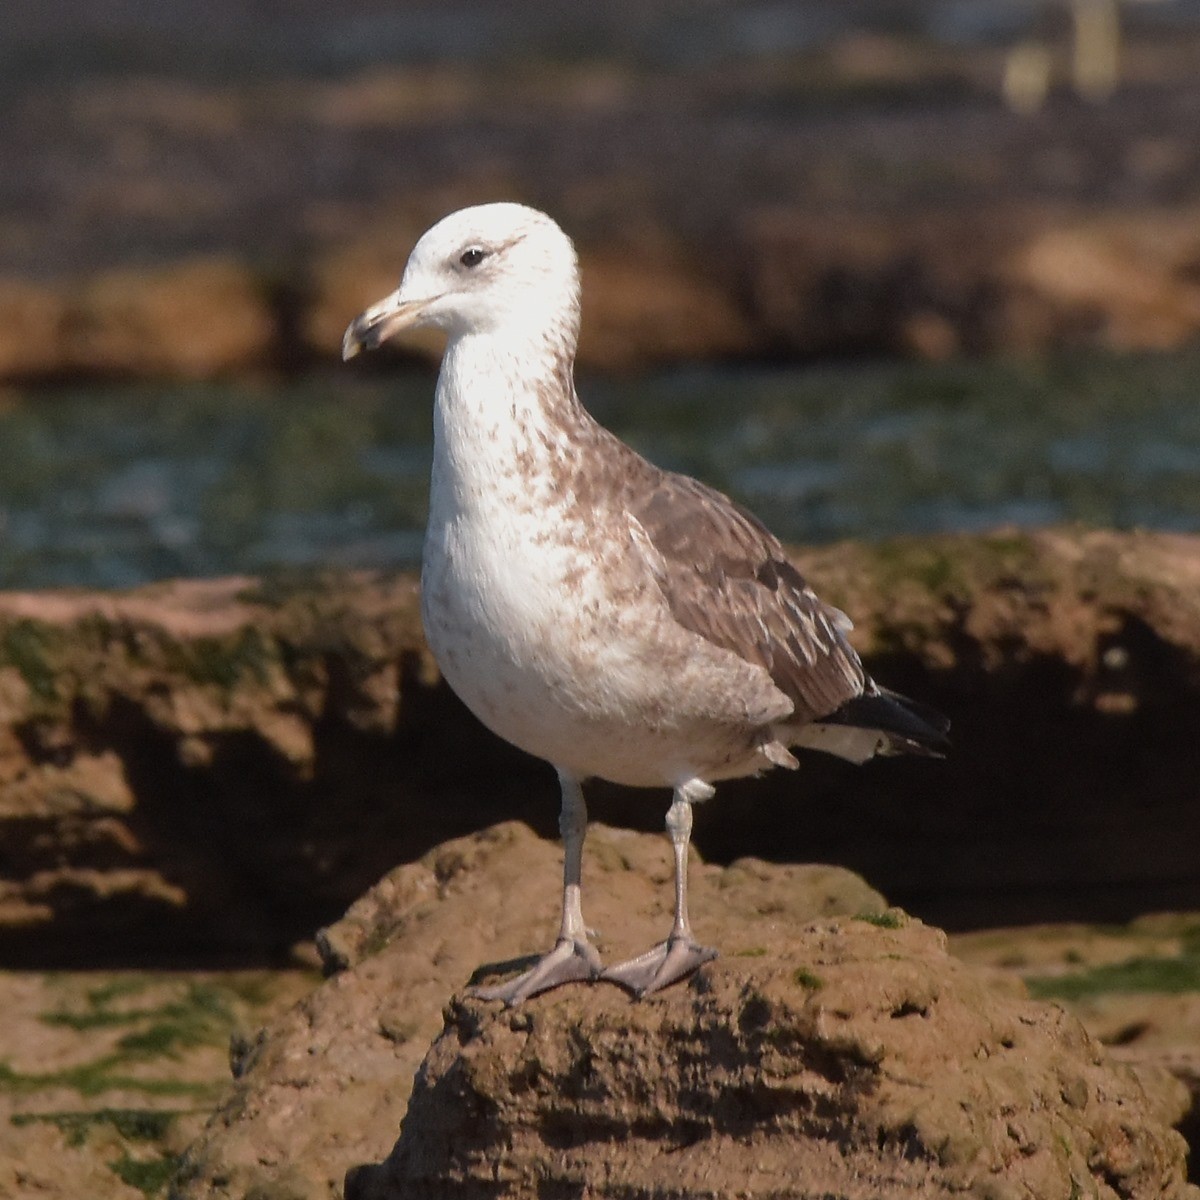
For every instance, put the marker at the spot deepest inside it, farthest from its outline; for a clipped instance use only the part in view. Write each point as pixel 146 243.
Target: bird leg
pixel 573 956
pixel 680 954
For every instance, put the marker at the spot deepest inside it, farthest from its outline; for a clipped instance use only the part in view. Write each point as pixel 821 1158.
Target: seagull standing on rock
pixel 615 619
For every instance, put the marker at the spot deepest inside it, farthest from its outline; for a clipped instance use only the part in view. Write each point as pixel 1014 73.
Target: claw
pixel 660 966
pixel 570 961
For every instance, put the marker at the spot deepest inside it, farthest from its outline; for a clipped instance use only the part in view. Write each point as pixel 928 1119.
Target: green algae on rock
pixel 105 1078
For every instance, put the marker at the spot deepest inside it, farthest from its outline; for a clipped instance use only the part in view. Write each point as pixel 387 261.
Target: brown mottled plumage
pixel 613 618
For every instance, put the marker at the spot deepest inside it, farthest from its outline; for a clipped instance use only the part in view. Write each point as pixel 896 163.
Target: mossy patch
pixel 955 566
pixel 133 1124
pixel 1172 975
pixel 888 919
pixel 203 1014
pixel 148 1175
pixel 139 1125
pixel 99 1076
pixel 936 568
pixel 32 648
pixel 807 979
pixel 140 1057
pixel 225 662
pixel 282 587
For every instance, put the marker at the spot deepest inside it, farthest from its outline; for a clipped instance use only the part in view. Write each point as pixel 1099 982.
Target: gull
pixel 620 621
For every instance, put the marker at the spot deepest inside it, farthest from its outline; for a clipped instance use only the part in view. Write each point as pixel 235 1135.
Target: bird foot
pixel 571 960
pixel 661 965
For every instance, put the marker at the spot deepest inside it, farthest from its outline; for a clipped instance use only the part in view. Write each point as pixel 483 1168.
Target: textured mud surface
pixel 106 1077
pixel 325 1088
pixel 846 1056
pixel 112 1083
pixel 851 1060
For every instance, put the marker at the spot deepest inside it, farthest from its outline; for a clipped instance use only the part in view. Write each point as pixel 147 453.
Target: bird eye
pixel 472 256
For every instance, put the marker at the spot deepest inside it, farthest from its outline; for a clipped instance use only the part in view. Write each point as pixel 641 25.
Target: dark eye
pixel 472 257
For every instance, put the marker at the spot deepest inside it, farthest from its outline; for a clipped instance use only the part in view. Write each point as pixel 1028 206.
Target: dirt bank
pixel 217 768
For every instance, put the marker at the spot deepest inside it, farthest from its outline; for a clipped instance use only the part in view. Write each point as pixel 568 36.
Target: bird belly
pixel 556 649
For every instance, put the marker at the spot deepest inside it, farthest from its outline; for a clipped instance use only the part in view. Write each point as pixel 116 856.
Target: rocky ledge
pixel 217 768
pixel 848 1062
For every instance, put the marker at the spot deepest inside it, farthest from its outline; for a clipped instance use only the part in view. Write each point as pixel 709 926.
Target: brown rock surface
pixel 120 715
pixel 192 319
pixel 821 1055
pixel 324 1088
pixel 851 1061
pixel 1128 280
pixel 1135 987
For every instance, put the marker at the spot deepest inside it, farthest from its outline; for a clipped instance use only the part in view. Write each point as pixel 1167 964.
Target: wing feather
pixel 727 578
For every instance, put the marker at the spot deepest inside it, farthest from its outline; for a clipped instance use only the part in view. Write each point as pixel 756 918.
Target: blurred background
pixel 872 266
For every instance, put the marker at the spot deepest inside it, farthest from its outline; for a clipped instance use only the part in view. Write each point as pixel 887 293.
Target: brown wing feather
pixel 727 578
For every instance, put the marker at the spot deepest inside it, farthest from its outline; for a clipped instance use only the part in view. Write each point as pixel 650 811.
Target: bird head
pixel 492 268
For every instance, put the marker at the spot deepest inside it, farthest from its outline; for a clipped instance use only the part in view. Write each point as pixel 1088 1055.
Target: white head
pixel 494 268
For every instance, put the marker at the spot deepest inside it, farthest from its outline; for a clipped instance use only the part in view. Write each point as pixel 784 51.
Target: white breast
pixel 542 615
pixel 513 613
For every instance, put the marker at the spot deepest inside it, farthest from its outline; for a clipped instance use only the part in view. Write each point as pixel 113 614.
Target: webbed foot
pixel 571 960
pixel 660 966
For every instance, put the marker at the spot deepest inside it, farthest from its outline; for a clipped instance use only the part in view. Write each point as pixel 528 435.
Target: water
pixel 117 486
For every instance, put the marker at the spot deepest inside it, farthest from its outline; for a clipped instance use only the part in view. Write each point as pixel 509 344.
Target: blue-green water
pixel 116 486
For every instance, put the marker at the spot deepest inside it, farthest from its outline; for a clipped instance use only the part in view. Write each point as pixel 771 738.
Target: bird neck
pixel 503 404
pixel 494 378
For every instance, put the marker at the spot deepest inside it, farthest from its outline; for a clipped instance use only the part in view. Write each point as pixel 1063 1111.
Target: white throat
pixel 501 411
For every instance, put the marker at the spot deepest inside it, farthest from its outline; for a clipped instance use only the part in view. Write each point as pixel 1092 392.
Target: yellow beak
pixel 370 329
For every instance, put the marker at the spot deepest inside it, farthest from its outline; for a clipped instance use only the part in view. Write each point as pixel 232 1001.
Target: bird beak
pixel 370 329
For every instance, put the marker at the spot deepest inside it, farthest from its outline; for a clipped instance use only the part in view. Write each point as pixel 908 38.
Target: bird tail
pixel 878 722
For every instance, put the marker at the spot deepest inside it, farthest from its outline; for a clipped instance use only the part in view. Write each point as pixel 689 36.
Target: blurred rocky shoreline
pixel 868 193
pixel 197 776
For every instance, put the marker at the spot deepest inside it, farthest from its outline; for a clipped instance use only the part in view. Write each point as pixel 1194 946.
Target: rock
pixel 939 282
pixel 1135 987
pixel 917 284
pixel 1129 282
pixel 32 317
pixel 854 1058
pixel 221 767
pixel 121 715
pixel 325 1087
pixel 683 313
pixel 194 319
pixel 197 318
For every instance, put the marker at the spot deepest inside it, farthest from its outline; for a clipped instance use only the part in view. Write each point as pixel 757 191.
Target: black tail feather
pixel 915 727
